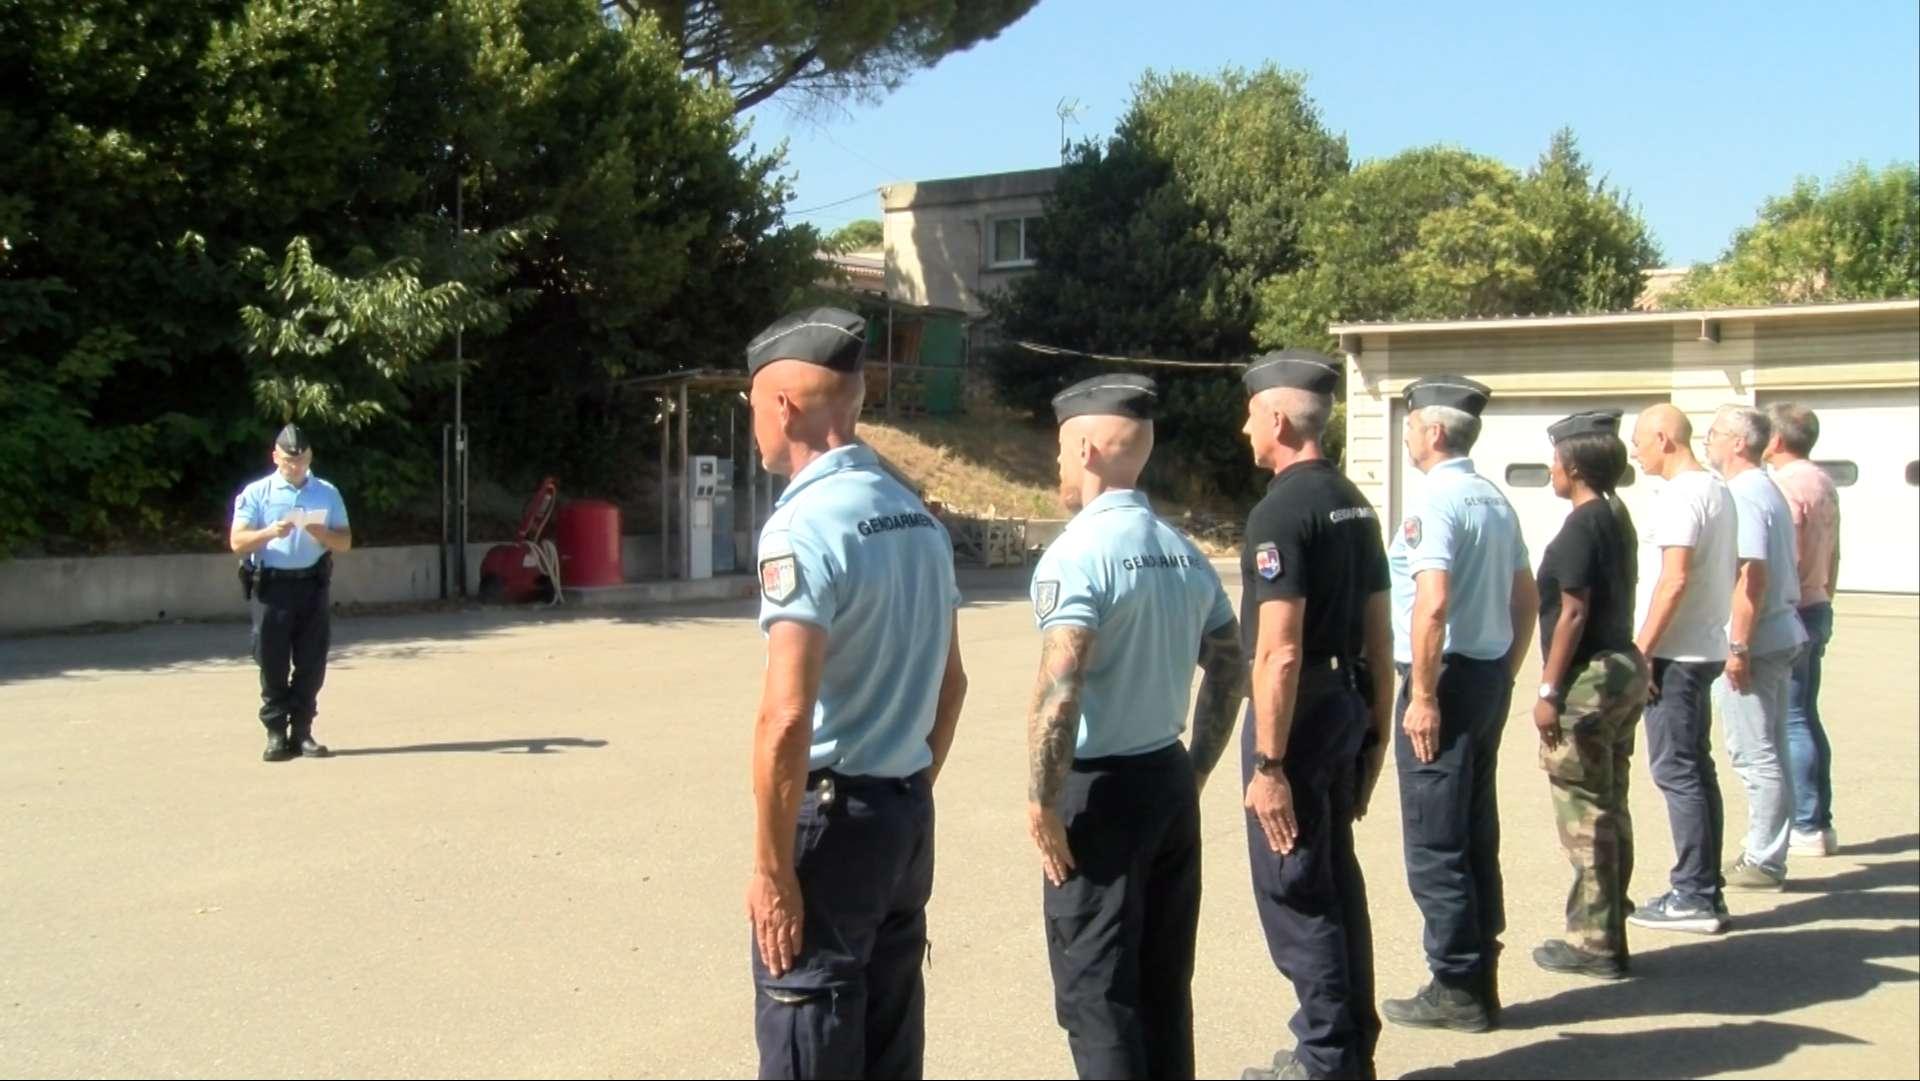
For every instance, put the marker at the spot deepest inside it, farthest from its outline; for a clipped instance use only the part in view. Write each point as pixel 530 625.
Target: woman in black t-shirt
pixel 1591 692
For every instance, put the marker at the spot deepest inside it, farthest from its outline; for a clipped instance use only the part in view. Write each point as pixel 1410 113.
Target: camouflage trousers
pixel 1588 775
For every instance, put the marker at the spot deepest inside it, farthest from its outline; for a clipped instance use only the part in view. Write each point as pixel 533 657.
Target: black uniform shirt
pixel 1314 536
pixel 1592 552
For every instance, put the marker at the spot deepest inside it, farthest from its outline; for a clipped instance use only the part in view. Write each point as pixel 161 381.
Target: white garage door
pixel 1514 453
pixel 1870 445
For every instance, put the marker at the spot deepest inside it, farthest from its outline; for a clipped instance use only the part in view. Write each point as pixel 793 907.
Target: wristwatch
pixel 1551 693
pixel 1264 763
pixel 1738 649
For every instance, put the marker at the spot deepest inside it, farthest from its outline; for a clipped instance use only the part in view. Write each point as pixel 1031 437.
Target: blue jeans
pixel 1807 749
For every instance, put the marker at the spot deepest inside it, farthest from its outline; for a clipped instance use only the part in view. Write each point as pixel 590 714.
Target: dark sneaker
pixel 1742 875
pixel 1668 912
pixel 1555 955
pixel 1438 1006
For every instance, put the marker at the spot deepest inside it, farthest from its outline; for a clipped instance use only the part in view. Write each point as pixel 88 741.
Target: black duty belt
pixel 282 574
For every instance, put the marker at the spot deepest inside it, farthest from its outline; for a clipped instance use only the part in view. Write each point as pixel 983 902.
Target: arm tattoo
pixel 1223 685
pixel 1054 718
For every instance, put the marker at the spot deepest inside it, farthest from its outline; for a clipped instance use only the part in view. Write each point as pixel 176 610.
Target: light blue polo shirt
pixel 1764 532
pixel 1463 525
pixel 270 499
pixel 1149 596
pixel 852 550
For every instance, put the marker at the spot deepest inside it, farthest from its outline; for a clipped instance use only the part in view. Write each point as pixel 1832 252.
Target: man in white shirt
pixel 1688 559
pixel 1764 639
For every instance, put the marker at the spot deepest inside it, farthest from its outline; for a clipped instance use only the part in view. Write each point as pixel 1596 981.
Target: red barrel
pixel 587 533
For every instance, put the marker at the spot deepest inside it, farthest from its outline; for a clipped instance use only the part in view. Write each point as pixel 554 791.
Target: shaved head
pixel 802 407
pixel 1110 449
pixel 1667 420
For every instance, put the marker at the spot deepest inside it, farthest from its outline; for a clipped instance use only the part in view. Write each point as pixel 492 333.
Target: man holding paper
pixel 289 523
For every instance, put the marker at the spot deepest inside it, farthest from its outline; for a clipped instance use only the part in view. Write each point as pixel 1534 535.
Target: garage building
pixel 1856 364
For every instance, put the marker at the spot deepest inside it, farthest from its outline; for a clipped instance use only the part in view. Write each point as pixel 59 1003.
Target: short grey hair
pixel 1459 429
pixel 1797 426
pixel 1306 411
pixel 1751 425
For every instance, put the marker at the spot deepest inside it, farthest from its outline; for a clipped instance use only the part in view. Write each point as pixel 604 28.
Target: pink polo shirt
pixel 1815 504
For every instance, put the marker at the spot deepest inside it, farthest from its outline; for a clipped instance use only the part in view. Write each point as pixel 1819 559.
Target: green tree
pixel 864 234
pixel 822 51
pixel 158 149
pixel 1154 243
pixel 1439 232
pixel 1855 238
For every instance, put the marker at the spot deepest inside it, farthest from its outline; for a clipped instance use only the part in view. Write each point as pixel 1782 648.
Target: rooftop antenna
pixel 1067 109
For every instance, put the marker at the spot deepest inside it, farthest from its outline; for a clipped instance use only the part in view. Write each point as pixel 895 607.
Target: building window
pixel 1844 474
pixel 1528 476
pixel 1012 242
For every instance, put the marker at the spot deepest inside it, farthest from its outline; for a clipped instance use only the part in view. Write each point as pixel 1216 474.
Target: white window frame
pixel 994 262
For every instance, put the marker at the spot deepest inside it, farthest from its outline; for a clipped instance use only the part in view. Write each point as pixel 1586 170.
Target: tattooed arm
pixel 1053 721
pixel 1223 684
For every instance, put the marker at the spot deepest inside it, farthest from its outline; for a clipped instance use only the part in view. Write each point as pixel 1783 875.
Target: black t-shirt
pixel 1593 552
pixel 1315 536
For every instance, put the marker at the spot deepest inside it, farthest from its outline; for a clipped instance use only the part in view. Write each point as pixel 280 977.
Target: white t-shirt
pixel 1693 510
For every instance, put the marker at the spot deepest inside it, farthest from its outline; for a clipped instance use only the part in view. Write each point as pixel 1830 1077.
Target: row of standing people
pixel 864 684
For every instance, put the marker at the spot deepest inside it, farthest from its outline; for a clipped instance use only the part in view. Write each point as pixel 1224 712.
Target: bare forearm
pixel 334 540
pixel 1660 612
pixel 1746 602
pixel 1566 638
pixel 247 541
pixel 779 779
pixel 1380 665
pixel 1223 686
pixel 946 720
pixel 1429 642
pixel 1276 686
pixel 1053 720
pixel 1523 608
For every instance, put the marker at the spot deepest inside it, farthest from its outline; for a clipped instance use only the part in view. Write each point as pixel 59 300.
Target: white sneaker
pixel 1813 842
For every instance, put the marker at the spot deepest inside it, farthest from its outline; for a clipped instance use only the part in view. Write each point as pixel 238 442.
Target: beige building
pixel 1856 364
pixel 950 242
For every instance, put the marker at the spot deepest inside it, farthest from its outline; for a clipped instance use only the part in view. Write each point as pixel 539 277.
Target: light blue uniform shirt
pixel 1463 525
pixel 270 499
pixel 1149 596
pixel 1764 531
pixel 849 549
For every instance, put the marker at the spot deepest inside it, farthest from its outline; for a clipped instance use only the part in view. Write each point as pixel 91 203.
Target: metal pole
pixel 446 449
pixel 686 492
pixel 753 495
pixel 666 518
pixel 889 358
pixel 459 405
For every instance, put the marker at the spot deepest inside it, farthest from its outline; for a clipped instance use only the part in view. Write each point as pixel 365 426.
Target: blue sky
pixel 1699 110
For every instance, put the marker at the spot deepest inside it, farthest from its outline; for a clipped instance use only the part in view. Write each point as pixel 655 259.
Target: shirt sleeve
pixel 1277 539
pixel 796 580
pixel 1751 516
pixel 1431 538
pixel 1575 554
pixel 246 509
pixel 336 510
pixel 1063 591
pixel 1679 521
pixel 1221 613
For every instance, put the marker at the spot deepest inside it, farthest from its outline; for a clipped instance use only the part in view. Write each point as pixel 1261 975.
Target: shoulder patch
pixel 1410 529
pixel 1266 560
pixel 779 578
pixel 1046 597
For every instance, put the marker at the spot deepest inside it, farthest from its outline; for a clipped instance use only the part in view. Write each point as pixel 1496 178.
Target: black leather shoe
pixel 312 748
pixel 278 749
